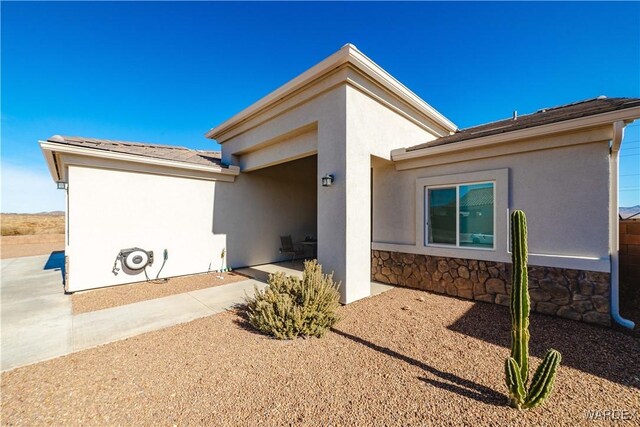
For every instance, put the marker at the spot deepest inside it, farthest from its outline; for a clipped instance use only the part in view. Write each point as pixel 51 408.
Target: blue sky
pixel 167 72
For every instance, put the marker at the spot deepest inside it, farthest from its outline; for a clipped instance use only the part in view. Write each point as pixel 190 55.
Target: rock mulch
pixel 405 357
pixel 115 296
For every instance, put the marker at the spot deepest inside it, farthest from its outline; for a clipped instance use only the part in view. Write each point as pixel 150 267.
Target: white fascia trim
pixel 537 131
pixel 51 162
pixel 49 148
pixel 373 70
pixel 348 54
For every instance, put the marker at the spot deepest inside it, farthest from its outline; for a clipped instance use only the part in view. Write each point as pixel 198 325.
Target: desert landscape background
pixel 31 234
pixel 29 224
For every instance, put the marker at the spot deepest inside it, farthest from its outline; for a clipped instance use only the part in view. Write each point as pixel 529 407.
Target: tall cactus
pixel 517 366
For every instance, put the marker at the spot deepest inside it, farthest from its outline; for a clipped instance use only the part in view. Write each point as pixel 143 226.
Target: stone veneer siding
pixel 573 294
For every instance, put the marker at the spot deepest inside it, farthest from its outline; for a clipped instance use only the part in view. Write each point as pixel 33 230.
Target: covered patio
pixel 265 206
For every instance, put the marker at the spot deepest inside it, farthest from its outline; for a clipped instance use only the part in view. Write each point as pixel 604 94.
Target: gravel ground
pixel 404 357
pixel 141 291
pixel 39 244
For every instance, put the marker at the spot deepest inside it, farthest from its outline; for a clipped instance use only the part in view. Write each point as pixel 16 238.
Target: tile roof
pixel 166 152
pixel 541 117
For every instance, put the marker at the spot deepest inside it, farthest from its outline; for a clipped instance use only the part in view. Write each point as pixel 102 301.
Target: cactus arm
pixel 519 294
pixel 543 379
pixel 515 385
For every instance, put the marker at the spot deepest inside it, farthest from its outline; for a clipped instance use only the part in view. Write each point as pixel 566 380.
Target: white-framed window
pixel 468 213
pixel 460 215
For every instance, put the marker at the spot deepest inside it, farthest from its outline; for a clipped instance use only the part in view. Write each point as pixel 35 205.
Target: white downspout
pixel 618 133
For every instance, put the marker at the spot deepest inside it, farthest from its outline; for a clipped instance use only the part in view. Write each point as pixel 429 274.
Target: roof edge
pixel 51 148
pixel 602 119
pixel 64 139
pixel 348 54
pixel 51 162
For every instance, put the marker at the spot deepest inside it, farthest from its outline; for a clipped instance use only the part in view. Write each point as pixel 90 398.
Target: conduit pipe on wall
pixel 618 133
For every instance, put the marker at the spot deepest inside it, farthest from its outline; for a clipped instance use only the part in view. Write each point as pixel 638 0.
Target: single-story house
pixel 392 190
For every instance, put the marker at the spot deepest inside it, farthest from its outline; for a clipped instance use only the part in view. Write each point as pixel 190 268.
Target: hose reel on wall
pixel 133 260
pixel 136 260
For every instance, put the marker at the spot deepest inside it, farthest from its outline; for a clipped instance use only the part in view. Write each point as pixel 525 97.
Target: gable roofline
pixel 347 55
pixel 433 148
pixel 159 151
pixel 57 146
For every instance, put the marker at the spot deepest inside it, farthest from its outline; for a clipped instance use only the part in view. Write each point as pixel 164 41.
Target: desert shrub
pixel 289 307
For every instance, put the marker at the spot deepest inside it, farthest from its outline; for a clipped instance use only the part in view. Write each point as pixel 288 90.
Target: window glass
pixel 442 215
pixel 476 215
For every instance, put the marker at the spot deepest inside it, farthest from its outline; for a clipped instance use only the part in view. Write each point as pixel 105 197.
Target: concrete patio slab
pixel 35 343
pixel 295 268
pixel 103 326
pixel 378 288
pixel 262 272
pixel 225 297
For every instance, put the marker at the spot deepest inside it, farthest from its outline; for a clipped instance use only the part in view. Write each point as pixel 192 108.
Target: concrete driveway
pixel 35 313
pixel 37 321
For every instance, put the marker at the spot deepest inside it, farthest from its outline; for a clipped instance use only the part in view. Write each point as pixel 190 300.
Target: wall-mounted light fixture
pixel 327 180
pixel 61 185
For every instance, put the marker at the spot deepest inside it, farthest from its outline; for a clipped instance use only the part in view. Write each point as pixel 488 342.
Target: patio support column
pixel 344 208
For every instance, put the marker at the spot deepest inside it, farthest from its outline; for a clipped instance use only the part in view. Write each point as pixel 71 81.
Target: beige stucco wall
pixel 373 129
pixel 325 113
pixel 110 210
pixel 193 219
pixel 563 191
pixel 321 112
pixel 290 148
pixel 346 125
pixel 260 206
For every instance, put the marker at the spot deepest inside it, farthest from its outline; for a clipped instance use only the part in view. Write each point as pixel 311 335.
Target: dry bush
pixel 25 224
pixel 290 307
